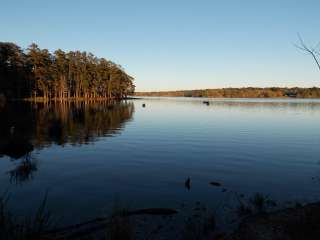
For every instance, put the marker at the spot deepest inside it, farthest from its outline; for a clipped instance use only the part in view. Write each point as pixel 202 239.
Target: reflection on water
pixel 24 170
pixel 25 127
pixel 76 152
pixel 243 103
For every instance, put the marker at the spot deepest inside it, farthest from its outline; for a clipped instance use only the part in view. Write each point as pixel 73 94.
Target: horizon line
pixel 195 89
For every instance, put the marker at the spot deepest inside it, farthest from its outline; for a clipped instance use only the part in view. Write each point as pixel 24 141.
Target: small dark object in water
pixel 206 103
pixel 153 211
pixel 223 190
pixel 143 105
pixel 215 184
pixel 187 183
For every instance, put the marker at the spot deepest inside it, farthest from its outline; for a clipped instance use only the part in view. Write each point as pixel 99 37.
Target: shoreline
pixel 204 97
pixel 287 223
pixel 247 92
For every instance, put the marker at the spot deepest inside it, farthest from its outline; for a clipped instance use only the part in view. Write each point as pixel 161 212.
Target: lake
pixel 89 155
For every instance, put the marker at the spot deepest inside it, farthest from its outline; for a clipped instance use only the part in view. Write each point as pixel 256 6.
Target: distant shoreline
pixel 249 92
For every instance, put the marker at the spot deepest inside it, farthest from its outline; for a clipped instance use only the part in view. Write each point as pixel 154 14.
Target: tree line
pixel 39 74
pixel 250 92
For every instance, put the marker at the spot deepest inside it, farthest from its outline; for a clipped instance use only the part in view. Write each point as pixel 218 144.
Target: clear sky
pixel 175 44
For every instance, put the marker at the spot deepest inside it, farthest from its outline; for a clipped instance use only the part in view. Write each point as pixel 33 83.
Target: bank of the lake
pixel 248 92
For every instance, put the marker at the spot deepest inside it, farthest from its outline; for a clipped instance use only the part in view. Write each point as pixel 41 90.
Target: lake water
pixel 87 155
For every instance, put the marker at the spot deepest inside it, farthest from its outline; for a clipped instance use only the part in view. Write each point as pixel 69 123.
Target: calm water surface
pixel 88 155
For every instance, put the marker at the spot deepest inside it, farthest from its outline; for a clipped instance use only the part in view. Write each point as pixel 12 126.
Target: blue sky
pixel 170 45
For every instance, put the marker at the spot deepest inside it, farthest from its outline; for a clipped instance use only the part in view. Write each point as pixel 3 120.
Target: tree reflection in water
pixel 24 171
pixel 26 127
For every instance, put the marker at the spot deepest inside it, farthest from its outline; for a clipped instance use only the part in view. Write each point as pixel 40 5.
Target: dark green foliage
pixel 59 76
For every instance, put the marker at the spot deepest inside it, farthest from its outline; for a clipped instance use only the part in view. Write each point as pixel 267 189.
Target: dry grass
pixel 121 227
pixel 14 228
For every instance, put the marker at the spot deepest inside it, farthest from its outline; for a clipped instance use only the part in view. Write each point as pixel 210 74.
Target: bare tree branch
pixel 310 50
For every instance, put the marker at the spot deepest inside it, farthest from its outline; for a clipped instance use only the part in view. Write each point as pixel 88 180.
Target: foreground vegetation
pixel 13 227
pixel 260 222
pixel 249 92
pixel 35 72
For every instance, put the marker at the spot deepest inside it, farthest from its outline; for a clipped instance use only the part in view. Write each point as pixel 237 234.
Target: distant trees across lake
pixel 36 73
pixel 273 92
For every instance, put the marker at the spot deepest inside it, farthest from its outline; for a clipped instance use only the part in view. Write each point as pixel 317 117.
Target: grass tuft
pixel 14 228
pixel 121 226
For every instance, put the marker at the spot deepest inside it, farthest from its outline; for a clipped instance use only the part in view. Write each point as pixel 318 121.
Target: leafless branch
pixel 310 50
